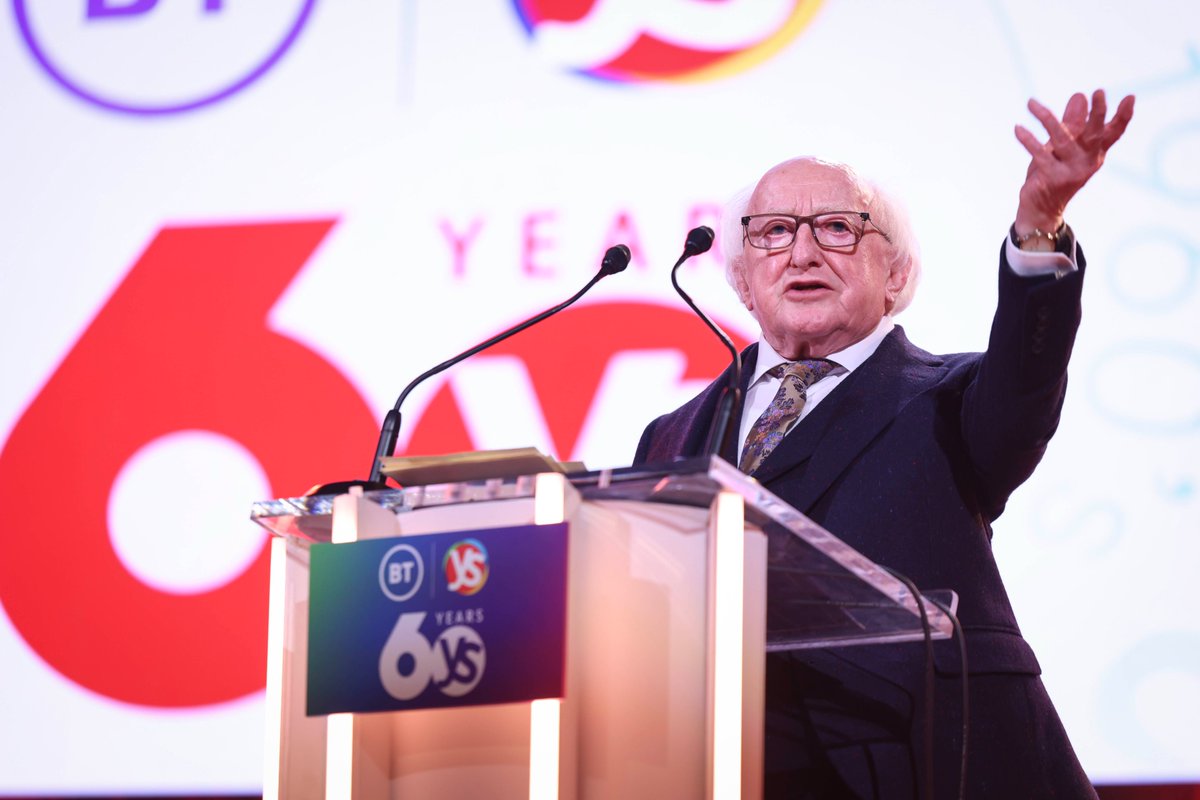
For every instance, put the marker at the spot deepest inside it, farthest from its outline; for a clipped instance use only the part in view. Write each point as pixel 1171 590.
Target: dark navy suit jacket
pixel 909 460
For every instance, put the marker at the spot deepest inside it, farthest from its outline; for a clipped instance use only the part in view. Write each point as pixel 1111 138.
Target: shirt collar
pixel 849 359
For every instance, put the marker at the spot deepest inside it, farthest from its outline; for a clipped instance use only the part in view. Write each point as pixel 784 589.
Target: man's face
pixel 811 302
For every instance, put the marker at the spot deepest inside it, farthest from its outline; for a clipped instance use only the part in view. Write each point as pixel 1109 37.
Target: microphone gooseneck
pixel 616 259
pixel 722 432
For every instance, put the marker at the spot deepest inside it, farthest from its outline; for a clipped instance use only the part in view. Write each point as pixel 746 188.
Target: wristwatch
pixel 1039 241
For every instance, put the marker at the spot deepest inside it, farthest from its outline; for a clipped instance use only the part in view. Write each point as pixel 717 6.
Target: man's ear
pixel 737 269
pixel 897 279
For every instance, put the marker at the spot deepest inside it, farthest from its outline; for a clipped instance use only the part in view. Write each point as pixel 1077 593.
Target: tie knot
pixel 805 373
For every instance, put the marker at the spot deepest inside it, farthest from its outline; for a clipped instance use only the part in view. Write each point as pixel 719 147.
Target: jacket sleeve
pixel 1011 407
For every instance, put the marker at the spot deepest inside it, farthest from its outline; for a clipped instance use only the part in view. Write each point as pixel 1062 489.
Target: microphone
pixel 722 433
pixel 699 240
pixel 616 258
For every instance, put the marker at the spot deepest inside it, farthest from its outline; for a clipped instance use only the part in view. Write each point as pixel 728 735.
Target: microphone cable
pixel 966 717
pixel 927 631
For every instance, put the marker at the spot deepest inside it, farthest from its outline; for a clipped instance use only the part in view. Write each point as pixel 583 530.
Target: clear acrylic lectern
pixel 679 579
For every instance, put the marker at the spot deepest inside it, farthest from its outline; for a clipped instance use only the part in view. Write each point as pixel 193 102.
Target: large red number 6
pixel 182 344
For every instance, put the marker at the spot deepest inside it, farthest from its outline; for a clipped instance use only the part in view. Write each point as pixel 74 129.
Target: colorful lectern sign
pixel 447 619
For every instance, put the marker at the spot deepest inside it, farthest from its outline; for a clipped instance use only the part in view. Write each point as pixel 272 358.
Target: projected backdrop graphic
pixel 235 231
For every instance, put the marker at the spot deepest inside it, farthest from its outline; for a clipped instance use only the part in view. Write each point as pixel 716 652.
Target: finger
pixel 1094 129
pixel 1075 115
pixel 1116 128
pixel 1030 142
pixel 1060 137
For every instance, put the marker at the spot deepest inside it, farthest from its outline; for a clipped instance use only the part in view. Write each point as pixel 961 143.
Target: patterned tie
pixel 785 408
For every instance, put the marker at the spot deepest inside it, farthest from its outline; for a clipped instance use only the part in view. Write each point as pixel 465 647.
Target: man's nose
pixel 805 250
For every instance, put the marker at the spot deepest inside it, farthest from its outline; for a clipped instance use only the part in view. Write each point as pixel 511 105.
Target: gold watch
pixel 1038 241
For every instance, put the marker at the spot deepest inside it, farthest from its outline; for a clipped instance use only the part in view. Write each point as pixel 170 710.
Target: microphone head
pixel 699 240
pixel 616 258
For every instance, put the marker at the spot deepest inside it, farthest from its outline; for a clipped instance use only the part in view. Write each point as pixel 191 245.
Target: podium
pixel 679 579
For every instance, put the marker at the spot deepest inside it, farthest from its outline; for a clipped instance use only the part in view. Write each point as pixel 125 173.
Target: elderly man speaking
pixel 908 457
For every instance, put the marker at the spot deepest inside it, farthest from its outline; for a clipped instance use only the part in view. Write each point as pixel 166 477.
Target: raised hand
pixel 1071 155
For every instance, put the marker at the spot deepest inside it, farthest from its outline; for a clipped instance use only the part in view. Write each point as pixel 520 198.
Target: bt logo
pixel 401 571
pixel 667 40
pixel 158 56
pixel 466 566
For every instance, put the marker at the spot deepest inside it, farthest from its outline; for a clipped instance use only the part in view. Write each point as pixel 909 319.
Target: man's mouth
pixel 805 287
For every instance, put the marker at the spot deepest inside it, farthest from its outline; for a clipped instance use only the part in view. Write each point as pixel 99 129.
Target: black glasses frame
pixel 808 220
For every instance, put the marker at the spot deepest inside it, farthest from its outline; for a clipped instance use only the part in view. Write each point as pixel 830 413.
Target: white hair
pixel 888 214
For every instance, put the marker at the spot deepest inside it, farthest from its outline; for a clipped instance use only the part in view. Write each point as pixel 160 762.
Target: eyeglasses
pixel 833 230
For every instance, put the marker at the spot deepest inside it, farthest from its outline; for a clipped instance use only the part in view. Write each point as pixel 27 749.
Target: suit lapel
pixel 853 415
pixel 696 424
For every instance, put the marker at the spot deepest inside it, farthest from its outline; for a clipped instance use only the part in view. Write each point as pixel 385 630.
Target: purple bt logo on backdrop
pixel 158 56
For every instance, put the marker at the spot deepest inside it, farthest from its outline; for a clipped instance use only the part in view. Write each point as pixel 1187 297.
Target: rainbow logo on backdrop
pixel 677 41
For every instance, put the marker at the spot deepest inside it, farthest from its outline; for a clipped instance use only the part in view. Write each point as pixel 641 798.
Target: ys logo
pixel 466 566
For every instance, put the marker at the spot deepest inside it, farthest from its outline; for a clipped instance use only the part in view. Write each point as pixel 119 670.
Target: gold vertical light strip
pixel 545 716
pixel 276 620
pixel 339 728
pixel 727 645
